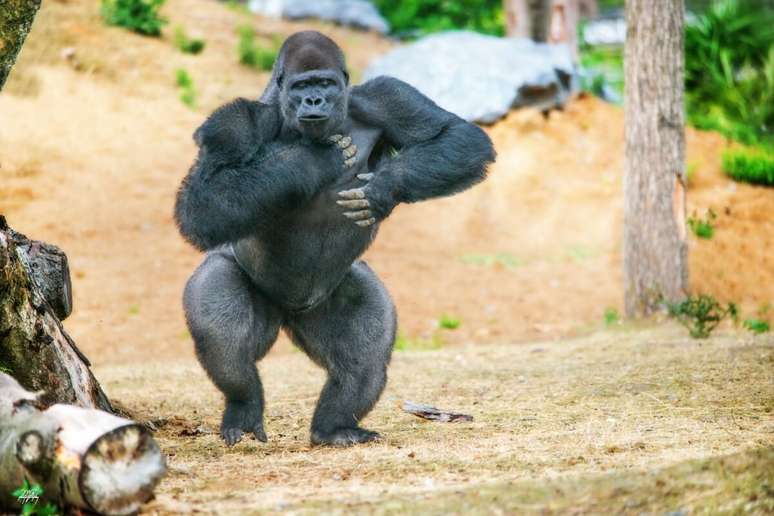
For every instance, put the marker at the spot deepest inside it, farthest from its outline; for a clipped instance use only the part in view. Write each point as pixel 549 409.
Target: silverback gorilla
pixel 286 194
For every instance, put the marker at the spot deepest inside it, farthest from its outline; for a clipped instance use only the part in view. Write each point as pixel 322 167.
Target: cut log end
pixel 30 449
pixel 120 470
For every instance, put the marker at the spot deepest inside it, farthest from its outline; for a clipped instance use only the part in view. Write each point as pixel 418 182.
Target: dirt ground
pixel 93 147
pixel 613 422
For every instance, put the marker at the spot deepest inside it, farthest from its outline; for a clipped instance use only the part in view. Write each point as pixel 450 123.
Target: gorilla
pixel 286 194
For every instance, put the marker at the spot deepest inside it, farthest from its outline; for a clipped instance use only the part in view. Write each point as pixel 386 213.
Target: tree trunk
pixel 655 251
pixel 547 21
pixel 34 346
pixel 15 23
pixel 82 458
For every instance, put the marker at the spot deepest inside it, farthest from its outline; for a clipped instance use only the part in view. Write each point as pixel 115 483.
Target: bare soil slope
pixel 94 145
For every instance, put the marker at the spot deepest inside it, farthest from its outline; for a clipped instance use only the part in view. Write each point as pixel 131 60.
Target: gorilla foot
pixel 344 437
pixel 240 417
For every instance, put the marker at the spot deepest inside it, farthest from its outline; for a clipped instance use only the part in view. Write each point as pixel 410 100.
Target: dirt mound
pixel 94 146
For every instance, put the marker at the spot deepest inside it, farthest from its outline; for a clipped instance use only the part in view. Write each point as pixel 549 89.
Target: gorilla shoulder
pixel 235 131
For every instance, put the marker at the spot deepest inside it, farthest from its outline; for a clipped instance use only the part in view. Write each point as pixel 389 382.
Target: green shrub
pixel 187 90
pixel 611 316
pixel 418 17
pixel 449 322
pixel 729 70
pixel 703 228
pixel 757 326
pixel 251 54
pixel 750 165
pixel 701 314
pixel 187 45
pixel 141 16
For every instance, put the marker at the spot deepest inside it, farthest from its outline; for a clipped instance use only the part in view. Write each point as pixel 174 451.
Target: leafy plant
pixel 703 228
pixel 140 16
pixel 611 316
pixel 729 70
pixel 701 314
pixel 448 322
pixel 757 326
pixel 251 54
pixel 750 165
pixel 411 18
pixel 188 45
pixel 187 90
pixel 28 495
pixel 603 74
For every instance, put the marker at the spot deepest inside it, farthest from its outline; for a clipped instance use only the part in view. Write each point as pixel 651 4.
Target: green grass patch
pixel 449 322
pixel 186 44
pixel 403 343
pixel 703 227
pixel 750 165
pixel 611 316
pixel 251 53
pixel 185 83
pixel 488 260
pixel 140 16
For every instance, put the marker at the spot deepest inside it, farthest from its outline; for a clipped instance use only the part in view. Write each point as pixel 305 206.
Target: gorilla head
pixel 310 81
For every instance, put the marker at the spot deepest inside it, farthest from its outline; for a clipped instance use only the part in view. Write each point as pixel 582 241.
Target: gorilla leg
pixel 351 335
pixel 233 326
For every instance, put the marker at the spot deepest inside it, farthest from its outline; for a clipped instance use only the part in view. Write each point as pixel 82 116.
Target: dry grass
pixel 548 416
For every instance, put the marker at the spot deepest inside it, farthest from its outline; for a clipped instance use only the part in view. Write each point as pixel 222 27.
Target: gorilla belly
pixel 304 258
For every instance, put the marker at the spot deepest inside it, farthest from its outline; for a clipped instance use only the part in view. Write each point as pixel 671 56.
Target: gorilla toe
pixel 241 417
pixel 344 437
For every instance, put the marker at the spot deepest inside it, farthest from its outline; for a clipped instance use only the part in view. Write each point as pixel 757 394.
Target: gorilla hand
pixel 369 203
pixel 348 149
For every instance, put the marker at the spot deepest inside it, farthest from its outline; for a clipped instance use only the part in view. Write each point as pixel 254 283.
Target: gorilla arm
pixel 438 153
pixel 244 178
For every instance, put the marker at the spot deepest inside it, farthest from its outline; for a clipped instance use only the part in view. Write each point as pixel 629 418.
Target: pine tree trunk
pixel 655 251
pixel 15 23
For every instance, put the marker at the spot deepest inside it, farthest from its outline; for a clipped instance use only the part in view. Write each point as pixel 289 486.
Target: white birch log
pixel 83 458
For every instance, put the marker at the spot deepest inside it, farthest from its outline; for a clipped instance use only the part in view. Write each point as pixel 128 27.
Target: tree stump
pixel 34 347
pixel 82 458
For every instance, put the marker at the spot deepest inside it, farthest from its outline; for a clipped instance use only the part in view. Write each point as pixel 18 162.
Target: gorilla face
pixel 314 102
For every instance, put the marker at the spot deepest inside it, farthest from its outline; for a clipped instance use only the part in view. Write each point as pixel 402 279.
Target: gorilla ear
pixel 346 77
pixel 280 77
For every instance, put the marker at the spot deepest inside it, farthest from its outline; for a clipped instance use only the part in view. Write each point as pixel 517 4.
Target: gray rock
pixel 480 78
pixel 354 13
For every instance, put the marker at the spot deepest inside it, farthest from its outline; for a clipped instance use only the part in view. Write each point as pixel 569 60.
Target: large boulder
pixel 354 13
pixel 480 78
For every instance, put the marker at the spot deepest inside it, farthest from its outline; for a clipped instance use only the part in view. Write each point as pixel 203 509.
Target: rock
pixel 354 13
pixel 480 78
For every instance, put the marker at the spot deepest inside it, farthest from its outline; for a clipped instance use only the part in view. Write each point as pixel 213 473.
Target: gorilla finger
pixel 365 177
pixel 354 193
pixel 349 162
pixel 344 142
pixel 350 151
pixel 365 223
pixel 335 138
pixel 357 215
pixel 354 205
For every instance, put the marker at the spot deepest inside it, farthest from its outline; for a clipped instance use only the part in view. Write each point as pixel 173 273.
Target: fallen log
pixel 434 414
pixel 82 458
pixel 34 347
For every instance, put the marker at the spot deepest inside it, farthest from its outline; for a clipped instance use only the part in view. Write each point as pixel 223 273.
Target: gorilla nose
pixel 313 101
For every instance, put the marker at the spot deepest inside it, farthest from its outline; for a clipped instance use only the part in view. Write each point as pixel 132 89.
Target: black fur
pixel 262 199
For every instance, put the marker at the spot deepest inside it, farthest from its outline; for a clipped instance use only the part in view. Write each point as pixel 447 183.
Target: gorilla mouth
pixel 313 118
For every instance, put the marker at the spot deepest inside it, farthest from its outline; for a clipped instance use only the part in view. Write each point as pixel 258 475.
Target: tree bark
pixel 82 458
pixel 15 23
pixel 547 21
pixel 34 346
pixel 655 251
